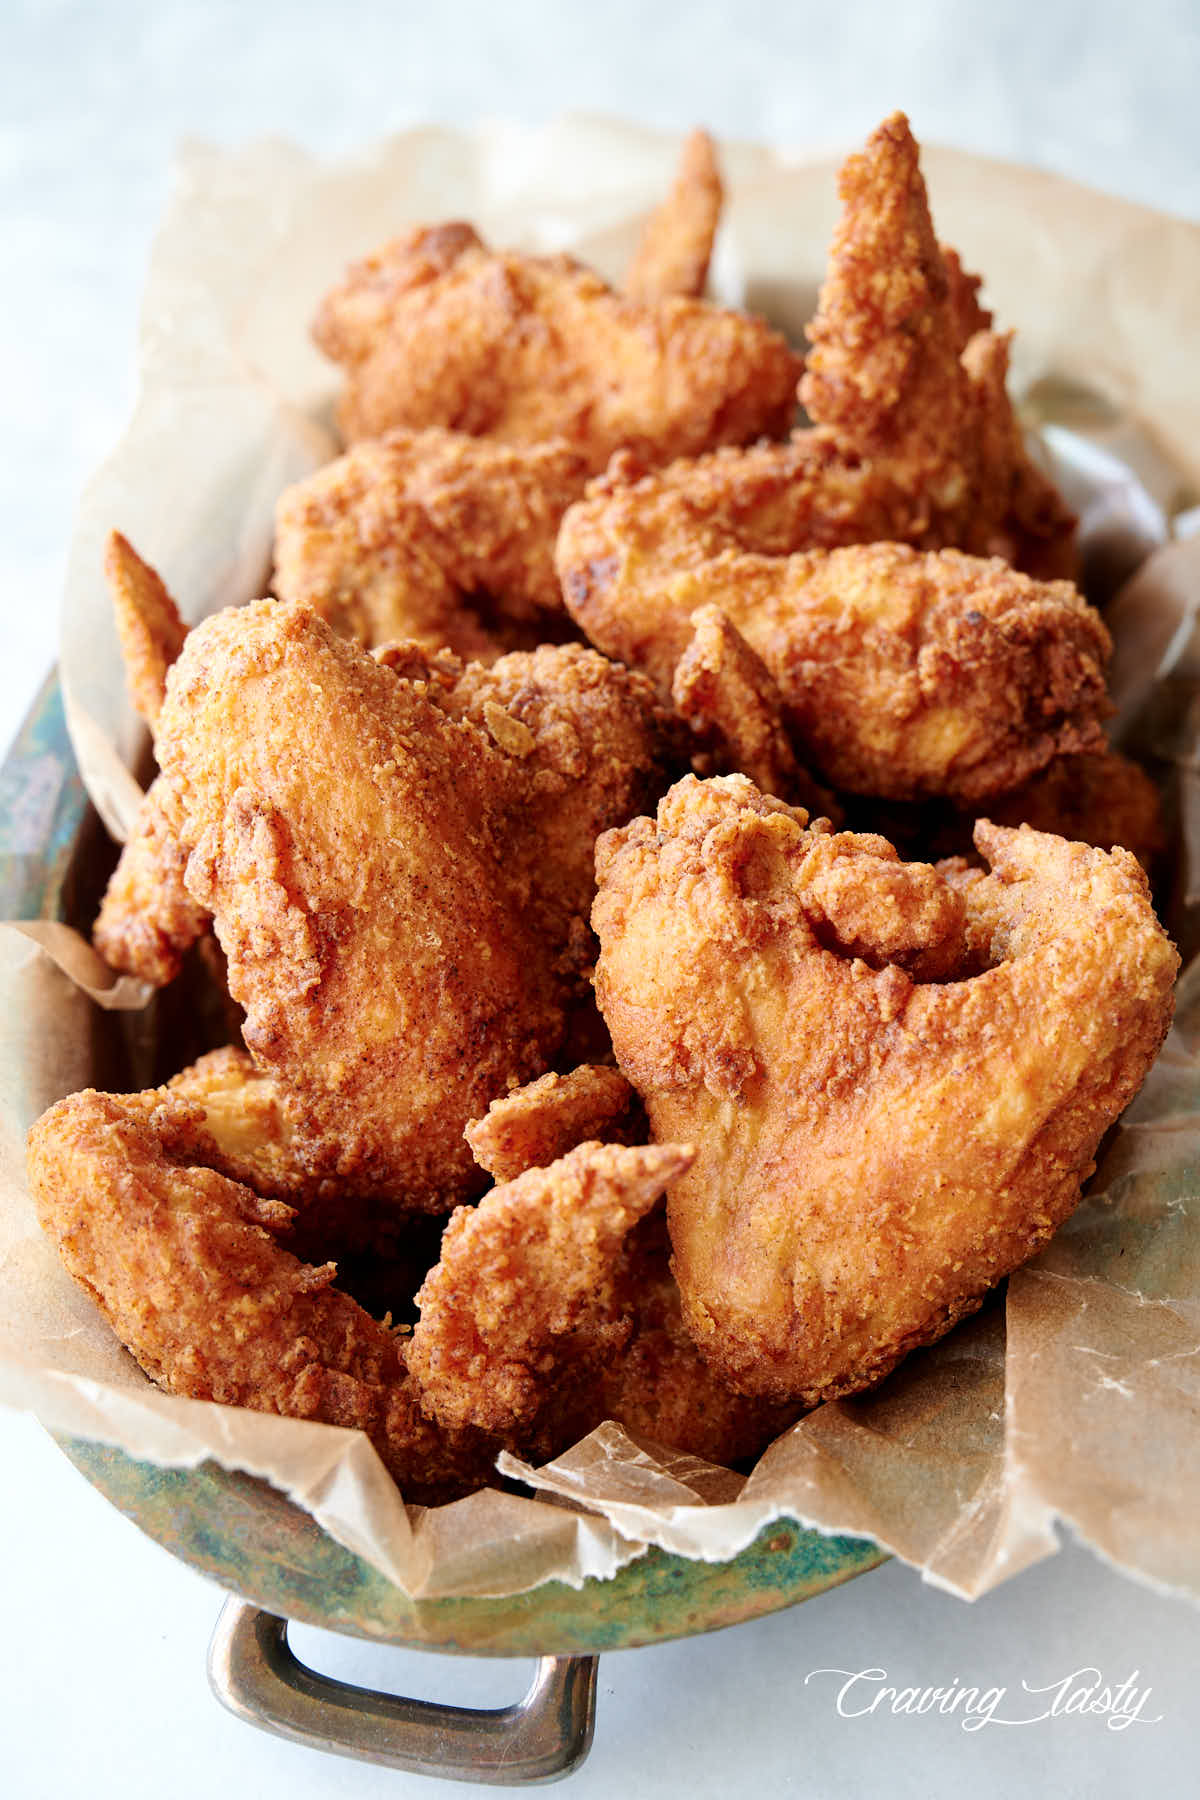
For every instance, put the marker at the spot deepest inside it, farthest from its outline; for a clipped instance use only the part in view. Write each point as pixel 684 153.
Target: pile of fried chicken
pixel 544 821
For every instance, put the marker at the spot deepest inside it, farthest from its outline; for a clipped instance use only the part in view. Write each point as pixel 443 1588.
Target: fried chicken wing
pixel 535 1125
pixel 432 536
pixel 676 244
pixel 883 373
pixel 524 1297
pixel 914 439
pixel 196 1269
pixel 641 1368
pixel 185 1264
pixel 902 674
pixel 874 1151
pixel 398 861
pixel 905 374
pixel 436 329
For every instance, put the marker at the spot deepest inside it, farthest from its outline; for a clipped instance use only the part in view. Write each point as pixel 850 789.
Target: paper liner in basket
pixel 964 1458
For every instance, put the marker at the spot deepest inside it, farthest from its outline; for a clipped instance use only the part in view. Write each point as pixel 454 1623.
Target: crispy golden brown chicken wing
pixel 397 856
pixel 168 1208
pixel 902 674
pixel 436 329
pixel 186 1265
pixel 525 1295
pixel 874 1149
pixel 639 1365
pixel 914 439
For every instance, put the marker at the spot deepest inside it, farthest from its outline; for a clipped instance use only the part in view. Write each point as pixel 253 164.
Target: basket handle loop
pixel 541 1737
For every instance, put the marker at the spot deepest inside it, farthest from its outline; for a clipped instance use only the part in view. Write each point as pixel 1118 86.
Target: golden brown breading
pixel 248 1117
pixel 148 920
pixel 1104 800
pixel 883 372
pixel 914 438
pixel 148 625
pixel 902 674
pixel 861 900
pixel 583 741
pixel 435 329
pixel 653 1380
pixel 731 701
pixel 676 243
pixel 659 1387
pixel 244 1117
pixel 535 1125
pixel 873 1153
pixel 899 381
pixel 524 1299
pixel 969 316
pixel 398 861
pixel 184 1264
pixel 432 536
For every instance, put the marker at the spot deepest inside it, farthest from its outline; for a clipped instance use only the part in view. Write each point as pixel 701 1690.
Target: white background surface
pixel 102 1636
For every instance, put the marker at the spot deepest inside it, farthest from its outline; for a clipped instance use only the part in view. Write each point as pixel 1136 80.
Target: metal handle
pixel 541 1737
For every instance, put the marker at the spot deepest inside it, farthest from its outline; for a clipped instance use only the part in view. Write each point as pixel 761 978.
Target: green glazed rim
pixel 256 1542
pixel 250 1538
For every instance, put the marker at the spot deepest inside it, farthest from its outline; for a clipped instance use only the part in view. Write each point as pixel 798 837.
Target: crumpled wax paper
pixel 1077 1397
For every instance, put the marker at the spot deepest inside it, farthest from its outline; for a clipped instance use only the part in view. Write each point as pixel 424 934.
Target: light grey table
pixel 102 1636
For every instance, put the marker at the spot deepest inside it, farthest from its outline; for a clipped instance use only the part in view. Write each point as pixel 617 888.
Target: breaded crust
pixel 902 674
pixel 526 348
pixel 874 1151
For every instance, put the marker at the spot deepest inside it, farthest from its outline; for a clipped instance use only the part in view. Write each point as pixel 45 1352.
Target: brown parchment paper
pixel 1076 1399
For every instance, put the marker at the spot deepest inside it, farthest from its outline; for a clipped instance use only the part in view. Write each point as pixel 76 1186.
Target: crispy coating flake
pixel 149 627
pixel 524 1297
pixel 398 861
pixel 535 1125
pixel 902 674
pixel 435 329
pixel 432 536
pixel 873 1152
pixel 676 244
